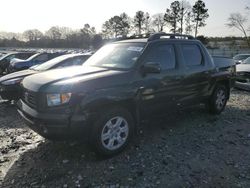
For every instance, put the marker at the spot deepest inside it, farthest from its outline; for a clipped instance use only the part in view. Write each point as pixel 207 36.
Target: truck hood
pixel 65 76
pixel 18 74
pixel 243 68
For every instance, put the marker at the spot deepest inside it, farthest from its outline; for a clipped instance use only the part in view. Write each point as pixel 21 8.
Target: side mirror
pixel 151 67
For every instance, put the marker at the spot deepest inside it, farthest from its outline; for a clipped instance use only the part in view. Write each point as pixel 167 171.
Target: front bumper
pixel 10 92
pixel 55 126
pixel 242 85
pixel 243 81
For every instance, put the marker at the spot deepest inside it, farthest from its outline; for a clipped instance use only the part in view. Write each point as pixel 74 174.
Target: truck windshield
pixel 118 56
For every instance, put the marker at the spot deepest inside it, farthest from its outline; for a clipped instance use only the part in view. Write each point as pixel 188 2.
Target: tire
pixel 112 132
pixel 218 99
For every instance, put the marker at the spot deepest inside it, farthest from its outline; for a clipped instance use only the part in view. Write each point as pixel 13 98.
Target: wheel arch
pixel 98 106
pixel 226 83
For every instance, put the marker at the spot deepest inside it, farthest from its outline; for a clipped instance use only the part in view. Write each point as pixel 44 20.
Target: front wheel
pixel 218 100
pixel 112 132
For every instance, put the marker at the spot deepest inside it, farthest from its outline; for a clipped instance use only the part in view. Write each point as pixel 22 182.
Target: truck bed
pixel 223 62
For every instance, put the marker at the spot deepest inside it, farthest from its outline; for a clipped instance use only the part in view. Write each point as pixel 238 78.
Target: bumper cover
pixel 242 85
pixel 55 126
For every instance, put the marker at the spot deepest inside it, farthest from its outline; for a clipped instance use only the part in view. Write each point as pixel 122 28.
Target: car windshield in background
pixel 4 56
pixel 117 56
pixel 33 56
pixel 241 57
pixel 49 64
pixel 246 61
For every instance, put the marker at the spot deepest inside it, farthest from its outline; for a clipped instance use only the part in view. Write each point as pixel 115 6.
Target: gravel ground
pixel 185 149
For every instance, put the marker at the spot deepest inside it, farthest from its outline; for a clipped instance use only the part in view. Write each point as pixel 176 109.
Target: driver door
pixel 158 92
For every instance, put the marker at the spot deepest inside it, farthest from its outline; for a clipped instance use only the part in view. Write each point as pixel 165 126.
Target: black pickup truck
pixel 120 85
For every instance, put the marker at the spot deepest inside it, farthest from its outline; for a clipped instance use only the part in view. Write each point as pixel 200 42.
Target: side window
pixel 42 57
pixel 21 56
pixel 66 63
pixel 192 54
pixel 10 57
pixel 24 55
pixel 77 61
pixel 84 58
pixel 53 55
pixel 164 55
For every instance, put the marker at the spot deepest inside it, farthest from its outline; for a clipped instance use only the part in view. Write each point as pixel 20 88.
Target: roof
pixel 142 40
pixel 161 36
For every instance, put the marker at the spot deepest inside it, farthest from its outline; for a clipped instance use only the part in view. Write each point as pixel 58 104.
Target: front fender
pixel 99 101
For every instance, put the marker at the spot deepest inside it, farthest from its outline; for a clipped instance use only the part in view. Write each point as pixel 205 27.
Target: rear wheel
pixel 112 132
pixel 218 100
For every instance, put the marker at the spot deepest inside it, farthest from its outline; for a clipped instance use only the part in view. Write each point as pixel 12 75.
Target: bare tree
pixel 139 21
pixel 116 26
pixel 147 22
pixel 200 14
pixel 125 23
pixel 238 21
pixel 32 34
pixel 65 32
pixel 54 33
pixel 158 21
pixel 188 23
pixel 106 30
pixel 10 35
pixel 88 29
pixel 185 9
pixel 172 15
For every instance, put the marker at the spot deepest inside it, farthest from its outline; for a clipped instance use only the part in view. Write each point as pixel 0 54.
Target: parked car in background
pixel 243 75
pixel 240 58
pixel 10 84
pixel 2 53
pixel 39 58
pixel 122 84
pixel 5 60
pixel 246 61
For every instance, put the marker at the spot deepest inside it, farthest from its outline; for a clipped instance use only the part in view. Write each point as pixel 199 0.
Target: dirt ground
pixel 184 149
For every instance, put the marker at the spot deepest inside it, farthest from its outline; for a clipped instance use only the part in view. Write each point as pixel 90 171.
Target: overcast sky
pixel 20 15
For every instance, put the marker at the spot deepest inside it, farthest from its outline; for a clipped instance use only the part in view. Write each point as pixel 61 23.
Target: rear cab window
pixel 192 55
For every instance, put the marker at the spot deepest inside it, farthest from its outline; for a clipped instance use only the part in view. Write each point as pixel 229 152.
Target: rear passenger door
pixel 159 90
pixel 196 77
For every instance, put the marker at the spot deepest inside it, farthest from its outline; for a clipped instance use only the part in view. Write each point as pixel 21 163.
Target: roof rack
pixel 158 36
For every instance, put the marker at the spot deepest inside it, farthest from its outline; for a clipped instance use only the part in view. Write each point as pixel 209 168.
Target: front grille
pixel 30 98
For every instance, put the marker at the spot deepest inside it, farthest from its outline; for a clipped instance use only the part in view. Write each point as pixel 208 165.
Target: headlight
pixel 58 99
pixel 12 81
